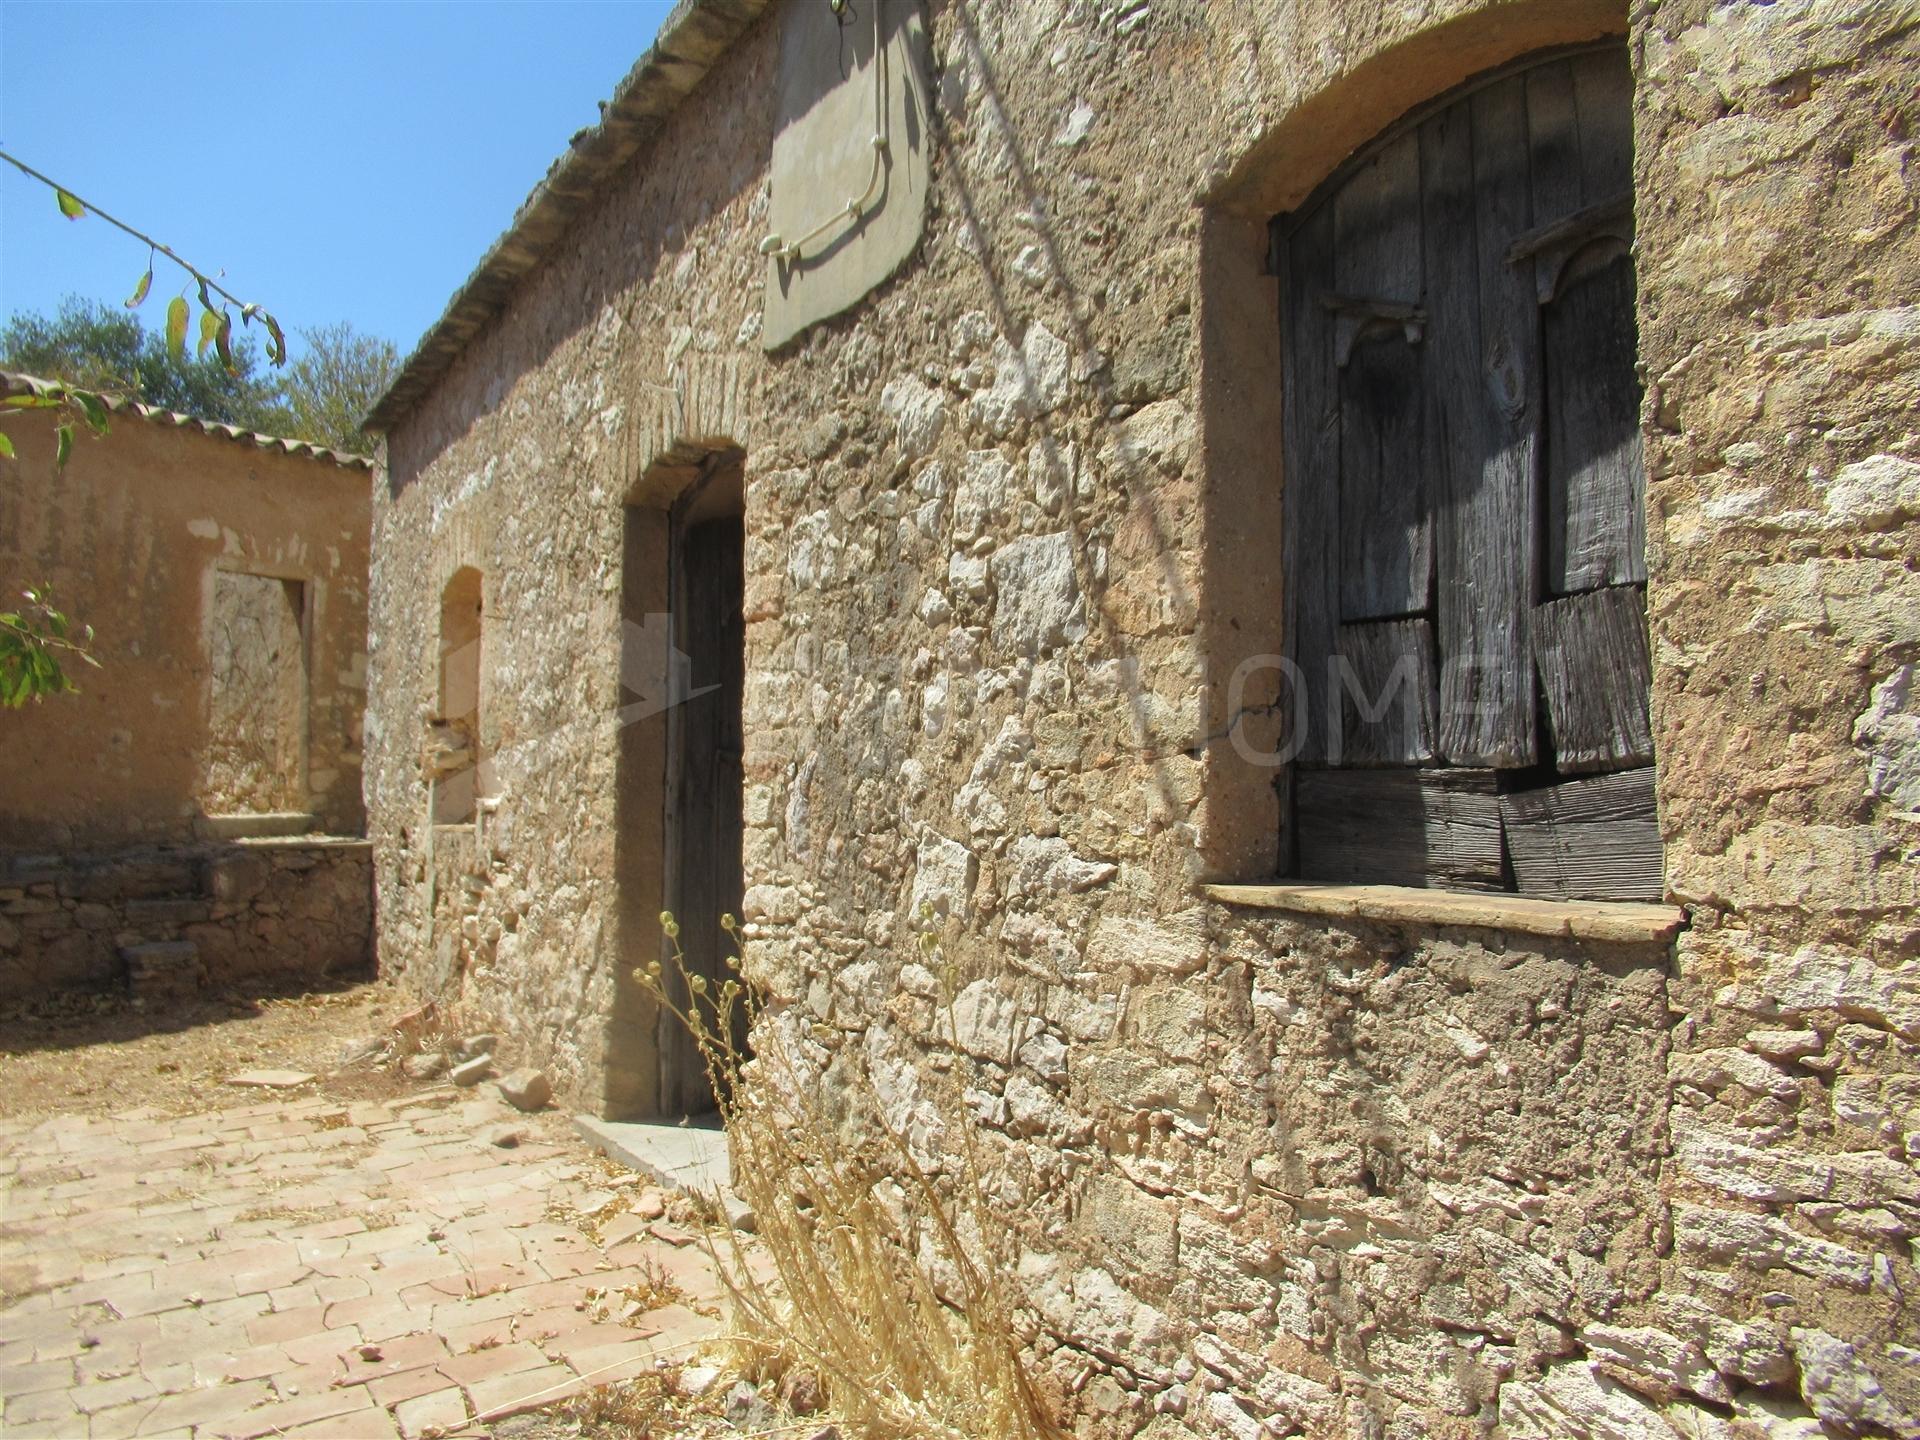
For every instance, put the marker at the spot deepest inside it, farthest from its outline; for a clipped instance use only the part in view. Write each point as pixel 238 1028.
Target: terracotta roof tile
pixel 13 383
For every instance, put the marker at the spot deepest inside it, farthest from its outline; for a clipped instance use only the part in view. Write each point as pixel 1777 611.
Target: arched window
pixel 454 745
pixel 1465 502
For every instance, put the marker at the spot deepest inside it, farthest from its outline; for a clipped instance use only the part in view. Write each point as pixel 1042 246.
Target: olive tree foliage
pixel 328 390
pixel 104 349
pixel 320 395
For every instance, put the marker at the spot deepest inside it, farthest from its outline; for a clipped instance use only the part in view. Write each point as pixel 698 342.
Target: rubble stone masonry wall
pixel 176 918
pixel 1012 522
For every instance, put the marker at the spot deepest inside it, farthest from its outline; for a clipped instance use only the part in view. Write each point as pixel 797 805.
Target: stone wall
pixel 169 920
pixel 1011 526
pixel 1391 1168
pixel 1783 379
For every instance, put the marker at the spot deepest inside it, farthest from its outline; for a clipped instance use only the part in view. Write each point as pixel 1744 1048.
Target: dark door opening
pixel 704 878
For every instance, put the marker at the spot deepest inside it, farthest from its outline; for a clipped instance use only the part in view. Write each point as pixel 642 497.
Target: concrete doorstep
pixel 690 1158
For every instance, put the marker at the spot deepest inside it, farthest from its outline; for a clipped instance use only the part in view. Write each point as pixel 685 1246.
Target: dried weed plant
pixel 914 1330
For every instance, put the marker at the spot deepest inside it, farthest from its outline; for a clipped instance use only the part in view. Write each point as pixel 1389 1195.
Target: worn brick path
pixel 317 1268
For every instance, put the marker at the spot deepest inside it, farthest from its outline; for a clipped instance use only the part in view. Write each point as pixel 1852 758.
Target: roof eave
pixel 692 39
pixel 14 383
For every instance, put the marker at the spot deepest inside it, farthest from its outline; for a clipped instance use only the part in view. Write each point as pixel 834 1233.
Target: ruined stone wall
pixel 169 920
pixel 132 537
pixel 1012 521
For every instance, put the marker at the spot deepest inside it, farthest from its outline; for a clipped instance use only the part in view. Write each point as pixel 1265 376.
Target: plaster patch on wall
pixel 207 529
pixel 850 159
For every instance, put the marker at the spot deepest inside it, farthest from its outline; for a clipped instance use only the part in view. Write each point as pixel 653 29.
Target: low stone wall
pixel 175 918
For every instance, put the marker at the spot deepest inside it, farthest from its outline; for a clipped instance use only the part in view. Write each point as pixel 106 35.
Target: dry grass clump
pixel 646 1407
pixel 889 1285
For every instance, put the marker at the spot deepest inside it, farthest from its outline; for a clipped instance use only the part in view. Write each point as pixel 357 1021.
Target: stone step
pixel 163 967
pixel 692 1158
pixel 264 824
pixel 167 911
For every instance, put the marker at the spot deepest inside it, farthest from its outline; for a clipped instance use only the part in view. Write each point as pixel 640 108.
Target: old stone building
pixel 1354 564
pixel 193 813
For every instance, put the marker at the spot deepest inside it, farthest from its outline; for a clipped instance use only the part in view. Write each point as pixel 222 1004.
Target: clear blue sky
pixel 339 161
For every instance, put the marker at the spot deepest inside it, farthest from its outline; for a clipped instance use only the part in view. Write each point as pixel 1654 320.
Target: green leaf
pixel 223 340
pixel 6 445
pixel 63 445
pixel 209 324
pixel 140 291
pixel 69 207
pixel 34 402
pixel 206 300
pixel 277 344
pixel 177 312
pixel 95 408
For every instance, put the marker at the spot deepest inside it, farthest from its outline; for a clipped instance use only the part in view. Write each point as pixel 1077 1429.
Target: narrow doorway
pixel 678 803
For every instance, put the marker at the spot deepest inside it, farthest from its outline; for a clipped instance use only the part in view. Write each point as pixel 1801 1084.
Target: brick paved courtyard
pixel 313 1267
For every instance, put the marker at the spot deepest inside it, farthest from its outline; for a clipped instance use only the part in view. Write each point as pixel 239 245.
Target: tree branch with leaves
pixel 216 321
pixel 33 642
pixel 216 318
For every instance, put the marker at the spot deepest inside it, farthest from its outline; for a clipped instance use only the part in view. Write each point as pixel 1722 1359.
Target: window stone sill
pixel 1618 922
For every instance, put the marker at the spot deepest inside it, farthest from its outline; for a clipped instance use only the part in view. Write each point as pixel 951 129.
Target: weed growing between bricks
pixel 889 1281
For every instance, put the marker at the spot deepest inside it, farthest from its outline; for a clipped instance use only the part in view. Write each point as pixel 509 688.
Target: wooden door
pixel 704 879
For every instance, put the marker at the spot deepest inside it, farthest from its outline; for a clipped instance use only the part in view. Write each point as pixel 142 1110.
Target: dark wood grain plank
pixel 1387 693
pixel 1438 828
pixel 1386 546
pixel 1595 471
pixel 1377 226
pixel 1482 423
pixel 1310 415
pixel 1553 136
pixel 1591 839
pixel 1603 98
pixel 1579 120
pixel 1594 669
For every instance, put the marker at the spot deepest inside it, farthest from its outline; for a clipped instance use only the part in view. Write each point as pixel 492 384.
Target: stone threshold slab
pixel 1615 921
pixel 689 1158
pixel 336 843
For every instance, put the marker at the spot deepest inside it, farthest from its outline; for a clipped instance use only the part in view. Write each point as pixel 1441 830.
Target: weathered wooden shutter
pixel 1466 498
